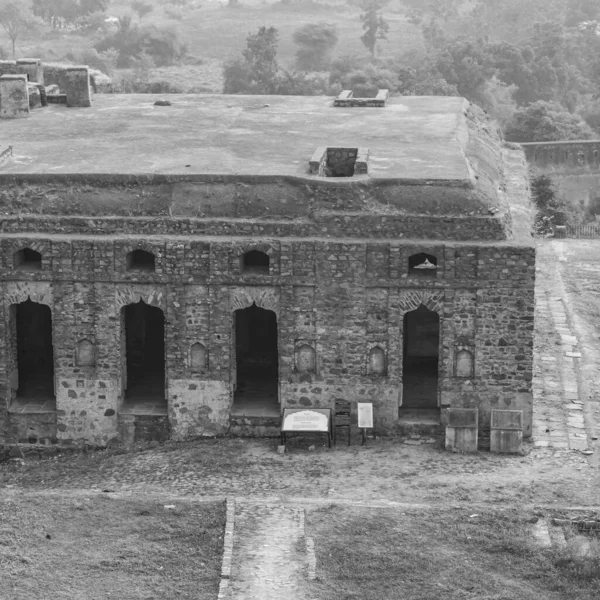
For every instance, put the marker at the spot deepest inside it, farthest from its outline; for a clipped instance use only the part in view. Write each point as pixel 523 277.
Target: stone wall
pixel 339 299
pixel 574 167
pixel 566 157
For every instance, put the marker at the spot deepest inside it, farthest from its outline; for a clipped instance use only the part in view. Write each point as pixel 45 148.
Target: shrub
pixel 103 61
pixel 162 44
pixel 545 121
pixel 342 65
pixel 590 111
pixel 236 76
pixel 551 209
pixel 316 42
pixel 367 80
pixel 293 83
pixel 94 22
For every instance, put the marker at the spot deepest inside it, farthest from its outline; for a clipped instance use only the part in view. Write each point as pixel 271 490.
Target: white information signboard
pixel 306 420
pixel 365 415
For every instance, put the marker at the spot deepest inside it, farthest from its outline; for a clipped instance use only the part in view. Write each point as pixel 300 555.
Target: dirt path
pixel 269 553
pixel 559 406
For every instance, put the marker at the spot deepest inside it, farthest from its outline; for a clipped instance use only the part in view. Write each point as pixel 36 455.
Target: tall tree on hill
pixel 15 18
pixel 258 71
pixel 141 8
pixel 545 121
pixel 374 25
pixel 260 54
pixel 316 42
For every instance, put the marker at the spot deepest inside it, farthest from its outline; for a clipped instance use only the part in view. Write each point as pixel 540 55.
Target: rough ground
pixel 270 490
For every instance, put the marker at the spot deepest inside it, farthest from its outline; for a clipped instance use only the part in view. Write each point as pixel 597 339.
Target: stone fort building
pixel 187 270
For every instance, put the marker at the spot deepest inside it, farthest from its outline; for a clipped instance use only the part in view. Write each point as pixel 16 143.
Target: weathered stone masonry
pixel 341 299
pixel 338 280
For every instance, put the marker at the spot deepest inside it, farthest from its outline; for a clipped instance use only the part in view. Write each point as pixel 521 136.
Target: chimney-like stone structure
pixel 33 68
pixel 77 87
pixel 14 97
pixel 8 67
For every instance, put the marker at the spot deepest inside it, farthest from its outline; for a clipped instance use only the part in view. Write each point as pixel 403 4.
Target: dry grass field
pixel 82 546
pixel 456 553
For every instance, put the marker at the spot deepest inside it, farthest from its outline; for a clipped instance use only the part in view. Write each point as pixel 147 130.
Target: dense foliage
pixel 534 65
pixel 316 42
pixel 59 13
pixel 258 72
pixel 551 208
pixel 131 42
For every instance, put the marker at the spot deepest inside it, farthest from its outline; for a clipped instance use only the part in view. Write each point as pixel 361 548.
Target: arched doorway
pixel 256 362
pixel 143 328
pixel 420 359
pixel 34 374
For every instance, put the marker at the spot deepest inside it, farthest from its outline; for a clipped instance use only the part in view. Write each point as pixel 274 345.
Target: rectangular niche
pixel 464 362
pixel 339 162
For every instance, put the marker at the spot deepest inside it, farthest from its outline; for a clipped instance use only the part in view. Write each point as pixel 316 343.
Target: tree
pixel 365 81
pixel 57 13
pixel 236 77
pixel 551 209
pixel 590 112
pixel 260 56
pixel 16 19
pixel 141 8
pixel 316 42
pixel 545 121
pixel 161 43
pixel 374 25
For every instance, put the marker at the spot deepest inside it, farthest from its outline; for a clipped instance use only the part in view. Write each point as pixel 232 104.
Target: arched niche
pixel 464 363
pixel 198 357
pixel 141 260
pixel 423 265
pixel 305 359
pixel 85 353
pixel 27 259
pixel 377 361
pixel 255 261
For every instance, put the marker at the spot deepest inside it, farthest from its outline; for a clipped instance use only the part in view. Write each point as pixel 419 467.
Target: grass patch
pixel 420 555
pixel 92 547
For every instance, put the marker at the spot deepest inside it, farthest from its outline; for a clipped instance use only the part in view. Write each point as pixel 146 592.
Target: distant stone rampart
pixel 564 157
pixel 574 166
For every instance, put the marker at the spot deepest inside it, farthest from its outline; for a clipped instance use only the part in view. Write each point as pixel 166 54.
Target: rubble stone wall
pixel 338 298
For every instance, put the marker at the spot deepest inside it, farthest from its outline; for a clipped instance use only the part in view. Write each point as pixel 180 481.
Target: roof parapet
pixel 346 98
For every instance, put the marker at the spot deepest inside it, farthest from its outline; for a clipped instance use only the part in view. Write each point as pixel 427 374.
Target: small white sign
pixel 306 420
pixel 365 415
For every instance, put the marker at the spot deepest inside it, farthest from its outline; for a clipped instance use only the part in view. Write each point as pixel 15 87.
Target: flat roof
pixel 415 139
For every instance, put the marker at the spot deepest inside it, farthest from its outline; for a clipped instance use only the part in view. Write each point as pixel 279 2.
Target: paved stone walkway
pixel 559 420
pixel 269 553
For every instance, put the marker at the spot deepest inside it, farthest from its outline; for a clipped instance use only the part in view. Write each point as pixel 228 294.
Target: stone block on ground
pixel 461 439
pixel 15 97
pixel 506 434
pixel 462 429
pixel 77 87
